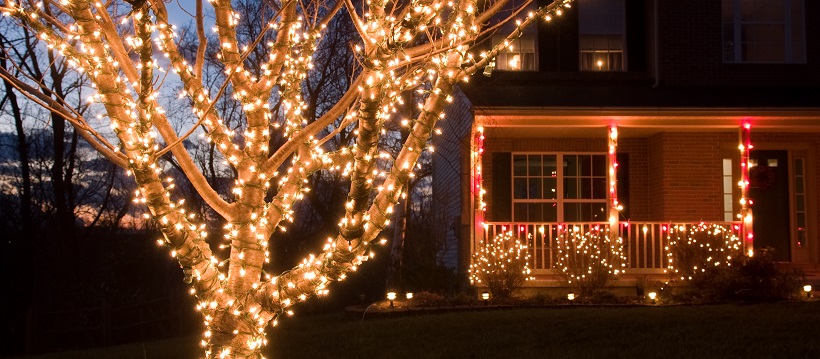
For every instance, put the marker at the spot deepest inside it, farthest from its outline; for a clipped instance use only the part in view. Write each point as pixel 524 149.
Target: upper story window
pixel 764 31
pixel 519 54
pixel 601 32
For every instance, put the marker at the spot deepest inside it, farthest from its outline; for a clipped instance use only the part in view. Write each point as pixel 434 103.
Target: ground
pixel 708 331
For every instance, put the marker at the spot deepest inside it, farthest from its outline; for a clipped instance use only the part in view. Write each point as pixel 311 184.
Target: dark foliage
pixel 748 279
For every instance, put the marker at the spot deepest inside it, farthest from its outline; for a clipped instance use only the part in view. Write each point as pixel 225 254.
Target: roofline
pixel 701 117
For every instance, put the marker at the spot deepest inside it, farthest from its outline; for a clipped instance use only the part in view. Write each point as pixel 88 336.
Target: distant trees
pixel 277 104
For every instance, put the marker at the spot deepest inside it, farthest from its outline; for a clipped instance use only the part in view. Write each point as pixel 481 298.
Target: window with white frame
pixel 520 53
pixel 728 191
pixel 574 191
pixel 764 31
pixel 601 30
pixel 800 201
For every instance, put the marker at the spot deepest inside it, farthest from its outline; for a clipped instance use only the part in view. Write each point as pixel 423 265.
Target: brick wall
pixel 638 205
pixel 686 175
pixel 673 176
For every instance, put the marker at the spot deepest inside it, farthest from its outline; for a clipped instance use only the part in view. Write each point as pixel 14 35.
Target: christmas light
pixel 693 249
pixel 501 264
pixel 426 47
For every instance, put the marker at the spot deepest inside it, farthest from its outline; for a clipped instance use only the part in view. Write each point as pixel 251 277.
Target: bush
pixel 501 265
pixel 588 261
pixel 429 299
pixel 463 299
pixel 693 250
pixel 748 279
pixel 542 299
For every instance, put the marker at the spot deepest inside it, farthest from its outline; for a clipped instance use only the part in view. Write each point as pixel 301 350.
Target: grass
pixel 783 330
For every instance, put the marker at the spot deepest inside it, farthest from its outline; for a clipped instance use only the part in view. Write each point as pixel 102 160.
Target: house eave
pixel 684 119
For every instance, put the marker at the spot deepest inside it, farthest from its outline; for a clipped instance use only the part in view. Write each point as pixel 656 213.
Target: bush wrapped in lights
pixel 589 260
pixel 501 264
pixel 692 250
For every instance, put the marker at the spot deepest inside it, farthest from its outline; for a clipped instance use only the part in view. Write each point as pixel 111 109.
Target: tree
pixel 419 45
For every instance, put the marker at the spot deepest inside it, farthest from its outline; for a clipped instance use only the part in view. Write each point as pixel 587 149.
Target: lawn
pixel 783 330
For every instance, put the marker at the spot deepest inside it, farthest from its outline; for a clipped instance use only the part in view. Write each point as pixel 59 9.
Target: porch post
pixel 612 179
pixel 477 185
pixel 746 216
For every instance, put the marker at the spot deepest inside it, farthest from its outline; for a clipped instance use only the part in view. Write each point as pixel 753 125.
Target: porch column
pixel 477 185
pixel 612 179
pixel 746 216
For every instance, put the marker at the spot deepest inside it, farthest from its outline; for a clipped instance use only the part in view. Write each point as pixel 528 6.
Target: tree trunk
pixel 21 249
pixel 27 223
pixel 397 247
pixel 59 176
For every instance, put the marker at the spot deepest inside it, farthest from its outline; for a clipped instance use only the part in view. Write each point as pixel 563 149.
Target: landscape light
pixel 409 295
pixel 391 296
pixel 807 289
pixel 653 295
pixel 485 296
pixel 571 296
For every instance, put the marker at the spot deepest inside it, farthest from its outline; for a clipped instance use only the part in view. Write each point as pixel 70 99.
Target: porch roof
pixel 639 122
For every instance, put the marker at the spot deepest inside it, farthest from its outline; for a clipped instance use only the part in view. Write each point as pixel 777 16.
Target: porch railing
pixel 645 244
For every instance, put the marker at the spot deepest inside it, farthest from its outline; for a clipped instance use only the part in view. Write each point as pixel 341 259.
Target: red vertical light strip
pixel 746 215
pixel 479 180
pixel 612 179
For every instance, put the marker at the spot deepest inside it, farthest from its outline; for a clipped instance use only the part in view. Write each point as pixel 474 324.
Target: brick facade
pixel 673 176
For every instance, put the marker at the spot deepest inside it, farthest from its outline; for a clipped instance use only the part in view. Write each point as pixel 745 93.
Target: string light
pixel 693 249
pixel 589 259
pixel 500 263
pixel 235 290
pixel 746 216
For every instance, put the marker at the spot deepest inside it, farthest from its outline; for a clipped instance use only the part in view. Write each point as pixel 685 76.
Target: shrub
pixel 748 279
pixel 501 265
pixel 463 299
pixel 541 299
pixel 693 250
pixel 428 299
pixel 588 261
pixel 711 258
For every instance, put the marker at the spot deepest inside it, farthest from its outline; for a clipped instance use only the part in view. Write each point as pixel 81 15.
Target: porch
pixel 644 177
pixel 645 244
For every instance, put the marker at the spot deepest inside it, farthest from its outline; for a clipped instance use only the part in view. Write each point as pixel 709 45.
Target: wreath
pixel 761 177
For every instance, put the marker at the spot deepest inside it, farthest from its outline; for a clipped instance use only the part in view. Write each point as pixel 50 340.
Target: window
pixel 601 28
pixel 800 201
pixel 764 31
pixel 519 55
pixel 728 191
pixel 543 191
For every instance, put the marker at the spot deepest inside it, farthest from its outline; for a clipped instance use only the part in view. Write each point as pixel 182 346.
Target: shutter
pixel 622 184
pixel 501 206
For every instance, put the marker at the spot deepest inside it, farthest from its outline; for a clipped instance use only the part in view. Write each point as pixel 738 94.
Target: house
pixel 642 116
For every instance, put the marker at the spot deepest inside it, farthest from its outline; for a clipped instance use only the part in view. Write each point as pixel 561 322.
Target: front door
pixel 769 192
